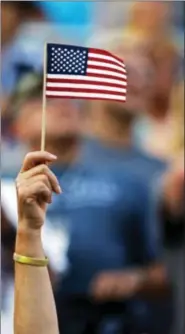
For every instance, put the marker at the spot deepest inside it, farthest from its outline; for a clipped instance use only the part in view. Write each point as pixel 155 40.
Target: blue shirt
pixel 109 214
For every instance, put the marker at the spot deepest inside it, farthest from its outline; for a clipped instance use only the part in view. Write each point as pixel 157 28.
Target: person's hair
pixel 136 9
pixel 25 8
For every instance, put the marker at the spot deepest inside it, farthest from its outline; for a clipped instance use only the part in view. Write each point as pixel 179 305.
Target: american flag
pixel 84 73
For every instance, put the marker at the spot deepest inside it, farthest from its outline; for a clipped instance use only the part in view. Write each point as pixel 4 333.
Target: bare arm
pixel 152 281
pixel 35 310
pixel 148 282
pixel 34 303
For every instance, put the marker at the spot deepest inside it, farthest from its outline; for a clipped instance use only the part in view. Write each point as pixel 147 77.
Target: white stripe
pixel 98 56
pixel 98 63
pixel 87 86
pixel 91 95
pixel 86 78
pixel 90 70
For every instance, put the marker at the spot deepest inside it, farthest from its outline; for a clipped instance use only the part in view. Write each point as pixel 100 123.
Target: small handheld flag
pixel 82 73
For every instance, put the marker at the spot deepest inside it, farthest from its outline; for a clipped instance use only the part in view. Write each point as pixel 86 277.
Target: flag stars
pixel 68 60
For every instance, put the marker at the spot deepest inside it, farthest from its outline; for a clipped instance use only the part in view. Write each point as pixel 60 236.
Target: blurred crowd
pixel 121 166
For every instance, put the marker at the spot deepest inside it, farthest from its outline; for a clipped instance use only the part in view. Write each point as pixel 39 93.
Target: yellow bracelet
pixel 31 261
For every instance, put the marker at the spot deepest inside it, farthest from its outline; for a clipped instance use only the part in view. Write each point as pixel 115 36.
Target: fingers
pixel 46 173
pixel 36 188
pixel 35 164
pixel 33 159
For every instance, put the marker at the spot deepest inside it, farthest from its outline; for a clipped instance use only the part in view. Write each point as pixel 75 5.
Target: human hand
pixel 115 285
pixel 35 184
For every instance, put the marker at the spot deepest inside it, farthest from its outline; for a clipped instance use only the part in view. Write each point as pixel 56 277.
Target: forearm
pixel 35 310
pixel 152 281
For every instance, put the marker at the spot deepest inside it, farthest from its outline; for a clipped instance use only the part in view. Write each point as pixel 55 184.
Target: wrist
pixel 30 224
pixel 24 228
pixel 28 241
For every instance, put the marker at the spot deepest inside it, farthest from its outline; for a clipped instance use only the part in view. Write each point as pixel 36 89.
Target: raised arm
pixel 35 310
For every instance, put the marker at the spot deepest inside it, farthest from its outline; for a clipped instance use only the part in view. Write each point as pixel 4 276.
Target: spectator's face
pixel 151 16
pixel 62 120
pixel 9 20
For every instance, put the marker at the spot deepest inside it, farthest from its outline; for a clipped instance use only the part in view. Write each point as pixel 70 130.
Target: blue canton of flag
pixel 65 59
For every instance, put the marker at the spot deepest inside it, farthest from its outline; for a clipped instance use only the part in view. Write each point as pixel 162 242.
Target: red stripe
pixel 85 82
pixel 102 68
pixel 80 90
pixel 104 53
pixel 86 98
pixel 111 62
pixel 106 76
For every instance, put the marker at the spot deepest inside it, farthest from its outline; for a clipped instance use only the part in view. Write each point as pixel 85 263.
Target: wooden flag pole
pixel 43 128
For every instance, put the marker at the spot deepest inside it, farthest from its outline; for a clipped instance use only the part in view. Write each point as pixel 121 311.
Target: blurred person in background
pixel 101 117
pixel 152 21
pixel 18 57
pixel 160 130
pixel 62 135
pixel 114 126
pixel 14 15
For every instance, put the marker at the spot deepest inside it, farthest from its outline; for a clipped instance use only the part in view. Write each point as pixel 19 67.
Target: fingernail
pixel 59 190
pixel 53 156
